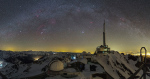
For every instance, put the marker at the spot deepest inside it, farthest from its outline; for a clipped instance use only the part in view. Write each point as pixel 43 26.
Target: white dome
pixel 56 66
pixel 83 60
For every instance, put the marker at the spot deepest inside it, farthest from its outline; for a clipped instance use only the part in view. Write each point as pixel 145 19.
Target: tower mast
pixel 104 43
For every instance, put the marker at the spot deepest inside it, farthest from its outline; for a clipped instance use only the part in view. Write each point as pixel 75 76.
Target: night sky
pixel 74 25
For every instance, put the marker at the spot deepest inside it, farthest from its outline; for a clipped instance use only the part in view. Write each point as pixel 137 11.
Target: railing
pixel 143 66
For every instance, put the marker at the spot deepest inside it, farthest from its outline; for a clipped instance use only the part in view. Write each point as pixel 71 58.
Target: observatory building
pixel 103 49
pixel 55 67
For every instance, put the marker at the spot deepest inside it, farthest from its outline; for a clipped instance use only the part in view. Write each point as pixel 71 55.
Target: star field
pixel 74 25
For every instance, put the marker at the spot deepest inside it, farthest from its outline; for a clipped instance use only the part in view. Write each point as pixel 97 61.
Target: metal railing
pixel 143 66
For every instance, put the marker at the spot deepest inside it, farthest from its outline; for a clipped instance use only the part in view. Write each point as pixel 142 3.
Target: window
pixel 65 73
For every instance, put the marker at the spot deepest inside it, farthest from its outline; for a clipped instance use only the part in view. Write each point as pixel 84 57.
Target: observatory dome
pixel 56 66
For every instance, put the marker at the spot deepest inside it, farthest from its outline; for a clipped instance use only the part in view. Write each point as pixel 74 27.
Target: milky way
pixel 74 25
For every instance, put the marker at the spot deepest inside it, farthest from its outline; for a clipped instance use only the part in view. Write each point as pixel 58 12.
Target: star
pixel 82 32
